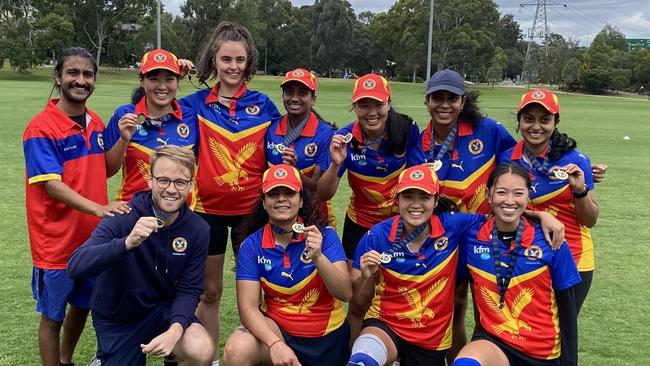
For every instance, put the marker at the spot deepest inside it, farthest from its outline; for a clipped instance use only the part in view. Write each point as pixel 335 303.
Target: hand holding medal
pixel 338 148
pixel 143 228
pixel 575 177
pixel 313 240
pixel 370 262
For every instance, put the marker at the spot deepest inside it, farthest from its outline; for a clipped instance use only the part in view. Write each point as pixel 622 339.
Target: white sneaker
pixel 94 362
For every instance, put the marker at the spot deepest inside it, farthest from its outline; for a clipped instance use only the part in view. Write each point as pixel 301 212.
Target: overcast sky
pixel 578 19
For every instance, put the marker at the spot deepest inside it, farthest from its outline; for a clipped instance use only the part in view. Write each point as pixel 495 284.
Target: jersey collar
pixel 437 229
pixel 213 97
pixel 141 107
pixel 464 129
pixel 485 232
pixel 268 242
pixel 69 123
pixel 518 151
pixel 308 131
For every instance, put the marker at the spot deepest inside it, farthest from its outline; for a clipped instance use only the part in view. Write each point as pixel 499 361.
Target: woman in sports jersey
pixel 373 150
pixel 563 184
pixel 298 262
pixel 301 138
pixel 522 288
pixel 410 261
pixel 153 118
pixel 232 122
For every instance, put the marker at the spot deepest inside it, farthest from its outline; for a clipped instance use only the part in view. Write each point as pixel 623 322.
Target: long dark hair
pixel 561 143
pixel 312 213
pixel 398 128
pixel 227 32
pixel 66 54
pixel 138 92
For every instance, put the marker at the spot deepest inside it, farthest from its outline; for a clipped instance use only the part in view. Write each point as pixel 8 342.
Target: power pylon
pixel 539 29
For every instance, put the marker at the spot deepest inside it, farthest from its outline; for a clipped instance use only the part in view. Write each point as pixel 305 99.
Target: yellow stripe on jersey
pixel 142 148
pixel 587 261
pixel 44 178
pixel 549 196
pixel 422 278
pixel 233 136
pixel 380 180
pixel 308 170
pixel 514 280
pixel 555 352
pixel 293 289
pixel 337 317
pixel 469 180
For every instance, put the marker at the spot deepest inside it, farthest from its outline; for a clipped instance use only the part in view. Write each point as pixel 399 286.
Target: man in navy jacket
pixel 149 266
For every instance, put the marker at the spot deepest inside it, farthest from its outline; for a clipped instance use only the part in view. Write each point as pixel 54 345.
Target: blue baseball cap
pixel 448 80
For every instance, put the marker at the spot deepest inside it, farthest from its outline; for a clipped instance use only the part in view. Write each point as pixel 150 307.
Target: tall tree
pixel 331 33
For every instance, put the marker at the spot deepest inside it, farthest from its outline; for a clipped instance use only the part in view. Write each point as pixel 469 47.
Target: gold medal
pixel 385 258
pixel 347 138
pixel 192 71
pixel 437 165
pixel 279 148
pixel 140 119
pixel 299 228
pixel 500 306
pixel 160 222
pixel 561 174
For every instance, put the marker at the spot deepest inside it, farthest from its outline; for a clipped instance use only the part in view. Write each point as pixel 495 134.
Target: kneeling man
pixel 149 266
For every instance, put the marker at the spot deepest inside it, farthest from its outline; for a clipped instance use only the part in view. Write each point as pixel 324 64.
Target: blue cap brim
pixel 450 88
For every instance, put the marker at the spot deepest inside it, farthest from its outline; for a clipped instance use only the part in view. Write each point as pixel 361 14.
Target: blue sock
pixel 362 359
pixel 465 362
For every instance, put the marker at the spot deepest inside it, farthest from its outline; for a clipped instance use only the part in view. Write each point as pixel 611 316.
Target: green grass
pixel 614 318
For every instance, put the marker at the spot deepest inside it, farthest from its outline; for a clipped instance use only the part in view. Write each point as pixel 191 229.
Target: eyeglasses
pixel 164 182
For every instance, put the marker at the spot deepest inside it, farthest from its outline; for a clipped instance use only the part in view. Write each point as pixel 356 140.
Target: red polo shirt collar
pixel 518 151
pixel 141 107
pixel 485 232
pixel 308 131
pixel 268 242
pixel 213 97
pixel 436 228
pixel 464 129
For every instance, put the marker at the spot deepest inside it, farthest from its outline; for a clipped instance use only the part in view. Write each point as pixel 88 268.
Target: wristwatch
pixel 582 194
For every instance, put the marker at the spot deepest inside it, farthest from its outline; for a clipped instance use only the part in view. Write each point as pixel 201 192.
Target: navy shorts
pixel 53 290
pixel 409 354
pixel 329 350
pixel 119 343
pixel 219 225
pixel 352 234
pixel 514 356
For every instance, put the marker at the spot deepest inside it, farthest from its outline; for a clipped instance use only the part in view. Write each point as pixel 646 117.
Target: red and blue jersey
pixel 231 157
pixel 372 176
pixel 415 292
pixel 179 130
pixel 529 320
pixel 555 197
pixel 466 167
pixel 312 146
pixel 57 148
pixel 295 296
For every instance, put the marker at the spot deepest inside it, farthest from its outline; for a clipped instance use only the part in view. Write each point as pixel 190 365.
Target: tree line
pixel 469 36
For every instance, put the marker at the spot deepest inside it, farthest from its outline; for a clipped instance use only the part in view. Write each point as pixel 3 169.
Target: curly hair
pixel 227 32
pixel 312 213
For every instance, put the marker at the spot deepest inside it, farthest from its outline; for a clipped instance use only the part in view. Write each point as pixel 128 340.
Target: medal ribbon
pixel 280 230
pixel 161 216
pixel 292 135
pixel 402 242
pixel 504 281
pixel 445 145
pixel 542 168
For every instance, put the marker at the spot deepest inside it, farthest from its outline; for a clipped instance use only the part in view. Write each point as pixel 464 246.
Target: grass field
pixel 614 318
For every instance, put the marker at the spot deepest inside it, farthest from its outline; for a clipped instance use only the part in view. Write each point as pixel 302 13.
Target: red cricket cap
pixel 419 177
pixel 371 86
pixel 281 175
pixel 159 59
pixel 302 76
pixel 544 97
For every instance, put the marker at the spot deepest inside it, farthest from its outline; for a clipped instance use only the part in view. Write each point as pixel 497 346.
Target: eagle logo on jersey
pixel 534 252
pixel 478 198
pixel 144 169
pixel 253 110
pixel 441 243
pixel 509 315
pixel 475 146
pixel 420 309
pixel 304 305
pixel 552 210
pixel 311 149
pixel 183 130
pixel 234 168
pixel 384 206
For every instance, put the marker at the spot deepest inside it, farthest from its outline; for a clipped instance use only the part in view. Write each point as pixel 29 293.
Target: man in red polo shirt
pixel 65 198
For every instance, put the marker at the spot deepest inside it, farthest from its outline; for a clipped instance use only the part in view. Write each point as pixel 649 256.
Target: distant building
pixel 640 42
